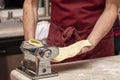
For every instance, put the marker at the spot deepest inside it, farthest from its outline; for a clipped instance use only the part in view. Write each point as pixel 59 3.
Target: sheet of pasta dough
pixel 71 51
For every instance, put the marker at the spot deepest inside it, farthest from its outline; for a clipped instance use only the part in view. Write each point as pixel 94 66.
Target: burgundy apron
pixel 73 20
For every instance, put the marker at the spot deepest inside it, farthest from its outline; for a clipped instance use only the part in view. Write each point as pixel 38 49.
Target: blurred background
pixel 11 32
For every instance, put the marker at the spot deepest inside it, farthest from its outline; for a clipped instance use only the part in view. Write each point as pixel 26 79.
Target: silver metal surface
pixel 37 60
pixel 47 8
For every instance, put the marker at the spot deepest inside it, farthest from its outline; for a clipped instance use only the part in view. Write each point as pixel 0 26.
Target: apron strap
pixel 68 32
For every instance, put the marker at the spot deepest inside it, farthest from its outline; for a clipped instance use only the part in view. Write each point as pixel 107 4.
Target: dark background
pixel 13 4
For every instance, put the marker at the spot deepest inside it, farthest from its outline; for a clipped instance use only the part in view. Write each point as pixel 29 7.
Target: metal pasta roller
pixel 36 63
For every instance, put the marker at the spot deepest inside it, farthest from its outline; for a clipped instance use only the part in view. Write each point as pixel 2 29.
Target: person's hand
pixel 88 48
pixel 71 51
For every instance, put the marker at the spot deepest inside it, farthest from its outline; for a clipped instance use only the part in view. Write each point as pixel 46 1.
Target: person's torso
pixel 76 12
pixel 73 20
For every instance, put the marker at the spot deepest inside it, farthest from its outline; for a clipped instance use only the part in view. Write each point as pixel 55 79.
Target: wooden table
pixel 107 68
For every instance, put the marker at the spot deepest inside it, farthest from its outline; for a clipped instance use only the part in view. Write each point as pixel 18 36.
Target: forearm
pixel 35 11
pixel 29 19
pixel 103 25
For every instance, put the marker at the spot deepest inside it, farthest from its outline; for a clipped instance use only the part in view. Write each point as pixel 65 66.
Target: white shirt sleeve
pixel 42 30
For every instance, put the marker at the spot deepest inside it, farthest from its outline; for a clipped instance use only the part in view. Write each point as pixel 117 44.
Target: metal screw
pixel 44 70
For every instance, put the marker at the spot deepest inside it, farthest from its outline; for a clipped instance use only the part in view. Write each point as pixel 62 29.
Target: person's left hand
pixel 86 49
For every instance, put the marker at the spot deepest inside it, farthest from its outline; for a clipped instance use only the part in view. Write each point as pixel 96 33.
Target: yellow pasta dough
pixel 35 42
pixel 71 51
